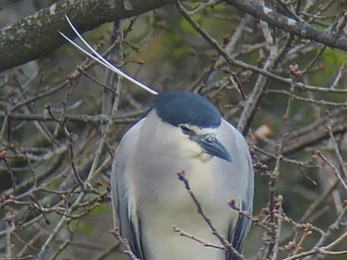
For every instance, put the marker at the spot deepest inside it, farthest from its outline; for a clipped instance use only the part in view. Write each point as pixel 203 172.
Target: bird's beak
pixel 212 146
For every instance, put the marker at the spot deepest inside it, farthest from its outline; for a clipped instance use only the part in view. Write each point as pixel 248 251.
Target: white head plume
pixel 98 58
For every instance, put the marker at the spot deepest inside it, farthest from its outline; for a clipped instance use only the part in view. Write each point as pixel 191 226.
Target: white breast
pixel 163 202
pixel 175 207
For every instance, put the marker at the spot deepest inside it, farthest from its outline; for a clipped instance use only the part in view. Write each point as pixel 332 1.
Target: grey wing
pixel 240 234
pixel 124 214
pixel 237 145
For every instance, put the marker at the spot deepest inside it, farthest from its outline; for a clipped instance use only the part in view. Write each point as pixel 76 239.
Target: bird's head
pixel 189 124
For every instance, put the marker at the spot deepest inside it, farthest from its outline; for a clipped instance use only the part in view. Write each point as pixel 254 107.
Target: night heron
pixel 181 132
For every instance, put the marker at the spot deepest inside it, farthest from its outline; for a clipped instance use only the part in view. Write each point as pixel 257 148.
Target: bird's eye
pixel 186 130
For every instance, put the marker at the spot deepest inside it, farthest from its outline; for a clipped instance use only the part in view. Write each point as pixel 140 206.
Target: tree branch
pixel 289 25
pixel 37 35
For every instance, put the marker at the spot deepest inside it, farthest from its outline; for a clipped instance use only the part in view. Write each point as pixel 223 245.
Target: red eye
pixel 186 130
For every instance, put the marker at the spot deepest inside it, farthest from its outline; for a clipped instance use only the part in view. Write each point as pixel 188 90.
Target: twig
pixel 337 152
pixel 9 227
pixel 124 243
pixel 204 243
pixel 334 243
pixel 332 166
pixel 107 251
pixel 223 241
pixel 96 119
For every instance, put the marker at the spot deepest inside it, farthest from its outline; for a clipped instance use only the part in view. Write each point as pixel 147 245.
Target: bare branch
pixel 300 29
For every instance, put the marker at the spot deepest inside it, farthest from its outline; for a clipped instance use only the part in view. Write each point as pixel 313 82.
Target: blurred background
pixel 55 110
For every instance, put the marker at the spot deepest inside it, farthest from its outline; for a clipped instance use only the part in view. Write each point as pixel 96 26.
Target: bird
pixel 185 133
pixel 182 131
